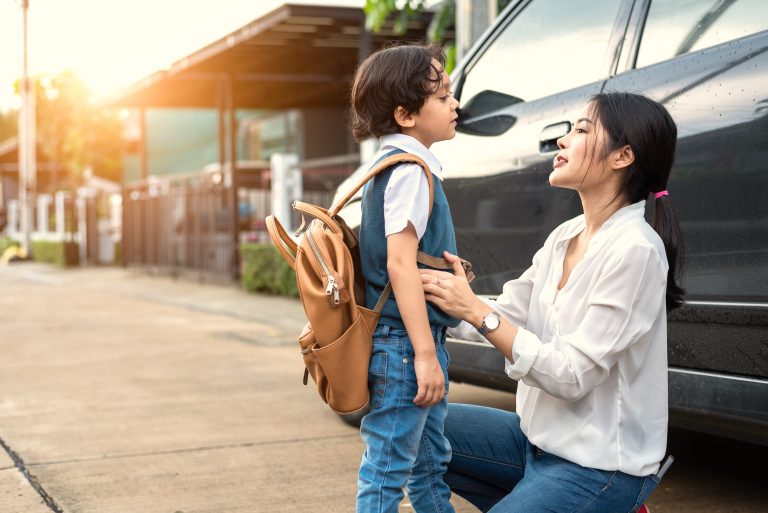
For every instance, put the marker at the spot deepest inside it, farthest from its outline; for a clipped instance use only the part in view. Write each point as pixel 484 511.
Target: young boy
pixel 402 96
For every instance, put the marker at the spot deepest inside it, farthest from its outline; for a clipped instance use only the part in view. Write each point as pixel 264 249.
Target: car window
pixel 675 27
pixel 550 46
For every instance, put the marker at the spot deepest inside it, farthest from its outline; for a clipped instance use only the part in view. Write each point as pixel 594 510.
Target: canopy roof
pixel 296 56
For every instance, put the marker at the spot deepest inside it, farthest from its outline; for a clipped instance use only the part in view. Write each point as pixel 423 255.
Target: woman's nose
pixel 561 142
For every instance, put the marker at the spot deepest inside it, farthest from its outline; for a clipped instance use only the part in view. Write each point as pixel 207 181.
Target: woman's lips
pixel 559 161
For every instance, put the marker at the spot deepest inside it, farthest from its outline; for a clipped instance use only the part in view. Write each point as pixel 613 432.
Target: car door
pixel 707 62
pixel 519 90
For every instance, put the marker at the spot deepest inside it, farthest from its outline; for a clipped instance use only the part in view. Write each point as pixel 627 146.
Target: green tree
pixel 8 125
pixel 379 11
pixel 72 131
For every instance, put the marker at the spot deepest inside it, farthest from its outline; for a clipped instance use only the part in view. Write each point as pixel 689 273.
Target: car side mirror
pixel 481 116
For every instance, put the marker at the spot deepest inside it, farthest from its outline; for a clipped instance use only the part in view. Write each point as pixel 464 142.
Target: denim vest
pixel 438 237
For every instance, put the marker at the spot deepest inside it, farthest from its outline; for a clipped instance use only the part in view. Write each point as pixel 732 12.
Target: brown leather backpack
pixel 337 349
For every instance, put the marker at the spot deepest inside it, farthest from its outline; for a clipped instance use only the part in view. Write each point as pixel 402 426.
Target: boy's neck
pixel 412 133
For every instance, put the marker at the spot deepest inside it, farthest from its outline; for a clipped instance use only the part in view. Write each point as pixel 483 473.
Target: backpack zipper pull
pixel 333 288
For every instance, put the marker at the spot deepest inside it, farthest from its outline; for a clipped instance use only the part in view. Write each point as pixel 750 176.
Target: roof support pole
pixel 234 182
pixel 143 154
pixel 222 127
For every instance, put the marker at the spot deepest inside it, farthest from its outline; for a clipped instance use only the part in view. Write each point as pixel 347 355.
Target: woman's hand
pixel 451 292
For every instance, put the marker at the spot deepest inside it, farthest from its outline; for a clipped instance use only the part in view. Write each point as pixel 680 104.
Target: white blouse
pixel 591 359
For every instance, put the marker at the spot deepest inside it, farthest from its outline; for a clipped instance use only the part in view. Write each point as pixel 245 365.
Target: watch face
pixel 492 322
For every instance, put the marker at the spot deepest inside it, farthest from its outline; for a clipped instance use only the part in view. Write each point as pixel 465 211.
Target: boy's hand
pixel 429 377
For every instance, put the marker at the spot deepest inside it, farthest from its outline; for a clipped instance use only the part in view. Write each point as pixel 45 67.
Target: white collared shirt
pixel 406 198
pixel 591 359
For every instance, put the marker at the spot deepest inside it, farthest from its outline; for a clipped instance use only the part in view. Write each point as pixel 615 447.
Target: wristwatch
pixel 490 323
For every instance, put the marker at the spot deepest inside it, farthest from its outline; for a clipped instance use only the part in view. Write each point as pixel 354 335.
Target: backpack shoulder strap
pixel 281 240
pixel 381 165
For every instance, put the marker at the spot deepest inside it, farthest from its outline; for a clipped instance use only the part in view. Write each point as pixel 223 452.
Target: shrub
pixel 7 242
pixel 264 270
pixel 56 252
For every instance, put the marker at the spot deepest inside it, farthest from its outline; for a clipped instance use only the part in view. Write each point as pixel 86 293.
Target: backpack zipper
pixel 332 287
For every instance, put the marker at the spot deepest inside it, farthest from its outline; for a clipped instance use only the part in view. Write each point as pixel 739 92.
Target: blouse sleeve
pixel 623 305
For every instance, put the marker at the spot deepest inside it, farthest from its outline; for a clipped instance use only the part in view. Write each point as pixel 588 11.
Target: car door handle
pixel 551 133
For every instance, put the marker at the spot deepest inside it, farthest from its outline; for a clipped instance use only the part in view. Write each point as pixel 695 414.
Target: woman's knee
pixel 467 424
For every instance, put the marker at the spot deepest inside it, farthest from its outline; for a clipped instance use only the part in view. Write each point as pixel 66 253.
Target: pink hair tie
pixel 659 194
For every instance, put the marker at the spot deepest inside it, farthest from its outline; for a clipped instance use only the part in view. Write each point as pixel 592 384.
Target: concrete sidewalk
pixel 126 393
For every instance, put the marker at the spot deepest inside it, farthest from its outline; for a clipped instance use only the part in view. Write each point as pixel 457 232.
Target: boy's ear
pixel 622 157
pixel 404 118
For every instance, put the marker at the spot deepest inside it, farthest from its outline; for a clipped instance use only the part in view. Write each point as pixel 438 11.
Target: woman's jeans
pixel 404 443
pixel 497 469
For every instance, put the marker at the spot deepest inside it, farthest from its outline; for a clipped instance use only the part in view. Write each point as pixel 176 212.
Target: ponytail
pixel 667 226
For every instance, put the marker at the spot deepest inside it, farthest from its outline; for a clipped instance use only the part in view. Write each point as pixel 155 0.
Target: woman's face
pixel 580 164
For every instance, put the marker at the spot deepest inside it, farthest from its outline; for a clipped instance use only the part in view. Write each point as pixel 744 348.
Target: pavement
pixel 122 392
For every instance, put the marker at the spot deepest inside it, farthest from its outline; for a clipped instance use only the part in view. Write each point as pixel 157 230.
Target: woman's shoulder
pixel 637 240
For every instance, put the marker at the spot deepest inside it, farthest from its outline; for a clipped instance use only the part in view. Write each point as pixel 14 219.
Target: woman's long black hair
pixel 646 126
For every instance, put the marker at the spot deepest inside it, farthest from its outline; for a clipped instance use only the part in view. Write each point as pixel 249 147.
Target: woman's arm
pixel 512 304
pixel 623 305
pixel 452 295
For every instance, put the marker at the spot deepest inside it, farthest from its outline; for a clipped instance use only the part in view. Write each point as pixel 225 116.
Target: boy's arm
pixel 409 293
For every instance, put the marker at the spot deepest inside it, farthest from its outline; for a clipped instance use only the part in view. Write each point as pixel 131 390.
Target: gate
pixel 181 224
pixel 192 224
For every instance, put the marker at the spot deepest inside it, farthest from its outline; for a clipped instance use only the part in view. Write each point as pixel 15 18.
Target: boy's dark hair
pixel 397 76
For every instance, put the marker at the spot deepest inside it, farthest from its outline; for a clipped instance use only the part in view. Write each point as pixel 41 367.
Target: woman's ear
pixel 404 118
pixel 622 157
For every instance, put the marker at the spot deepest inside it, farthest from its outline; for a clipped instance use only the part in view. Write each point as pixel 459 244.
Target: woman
pixel 583 330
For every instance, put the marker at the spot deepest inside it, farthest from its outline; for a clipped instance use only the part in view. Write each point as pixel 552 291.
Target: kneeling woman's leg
pixel 497 469
pixel 489 453
pixel 554 485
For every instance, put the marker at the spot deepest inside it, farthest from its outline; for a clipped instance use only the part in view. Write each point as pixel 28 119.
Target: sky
pixel 113 43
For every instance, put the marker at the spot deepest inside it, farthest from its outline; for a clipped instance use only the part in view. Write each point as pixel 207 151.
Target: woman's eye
pixel 580 130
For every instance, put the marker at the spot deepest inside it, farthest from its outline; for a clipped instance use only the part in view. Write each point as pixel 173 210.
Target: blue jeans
pixel 497 469
pixel 404 443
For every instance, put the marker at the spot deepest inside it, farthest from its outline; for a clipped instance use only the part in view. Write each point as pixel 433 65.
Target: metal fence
pixel 193 223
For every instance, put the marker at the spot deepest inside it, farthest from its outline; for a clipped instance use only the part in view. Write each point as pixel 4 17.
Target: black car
pixel 522 85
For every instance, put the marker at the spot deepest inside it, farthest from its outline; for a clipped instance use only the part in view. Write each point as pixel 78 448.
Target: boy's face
pixel 436 120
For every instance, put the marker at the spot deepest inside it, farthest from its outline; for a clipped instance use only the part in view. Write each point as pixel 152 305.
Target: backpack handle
pixel 378 168
pixel 319 213
pixel 282 241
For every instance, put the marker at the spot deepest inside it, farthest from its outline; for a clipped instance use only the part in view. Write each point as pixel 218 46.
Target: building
pixel 201 133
